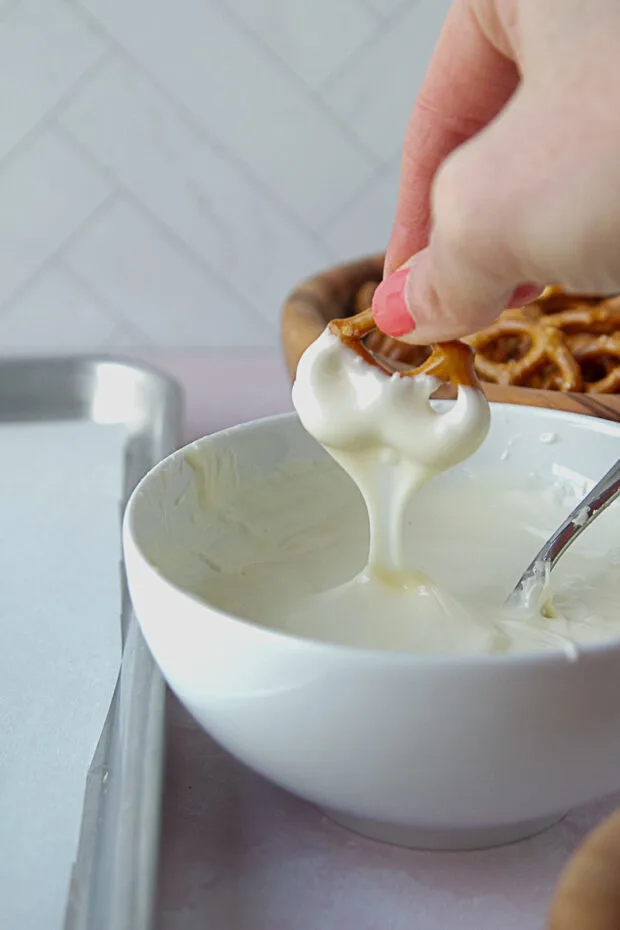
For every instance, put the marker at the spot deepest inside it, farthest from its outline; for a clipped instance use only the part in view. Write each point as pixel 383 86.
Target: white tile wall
pixel 387 8
pixel 363 226
pixel 375 91
pixel 54 302
pixel 47 191
pixel 168 171
pixel 313 39
pixel 44 51
pixel 158 154
pixel 153 283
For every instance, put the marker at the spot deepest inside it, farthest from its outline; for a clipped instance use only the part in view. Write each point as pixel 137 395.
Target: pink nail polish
pixel 524 294
pixel 389 307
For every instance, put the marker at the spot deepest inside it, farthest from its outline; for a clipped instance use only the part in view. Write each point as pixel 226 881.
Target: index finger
pixel 467 83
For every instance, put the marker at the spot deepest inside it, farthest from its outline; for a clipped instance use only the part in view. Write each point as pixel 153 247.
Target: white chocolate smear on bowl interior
pixel 275 551
pixel 293 552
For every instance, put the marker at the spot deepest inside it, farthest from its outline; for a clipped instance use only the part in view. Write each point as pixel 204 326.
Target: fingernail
pixel 389 307
pixel 524 294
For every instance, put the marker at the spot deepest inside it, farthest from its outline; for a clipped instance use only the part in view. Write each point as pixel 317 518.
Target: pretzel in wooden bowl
pixel 451 361
pixel 519 349
pixel 599 361
pixel 603 317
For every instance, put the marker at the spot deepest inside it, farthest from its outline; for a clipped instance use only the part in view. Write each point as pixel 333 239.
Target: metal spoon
pixel 600 497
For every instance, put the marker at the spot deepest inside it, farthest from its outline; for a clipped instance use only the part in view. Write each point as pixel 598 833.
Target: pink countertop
pixel 239 854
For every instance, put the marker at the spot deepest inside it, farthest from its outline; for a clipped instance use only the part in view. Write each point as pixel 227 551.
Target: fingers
pixel 533 199
pixel 522 186
pixel 467 84
pixel 476 263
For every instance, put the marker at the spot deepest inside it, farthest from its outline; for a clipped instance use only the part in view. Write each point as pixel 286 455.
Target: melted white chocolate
pixel 291 551
pixel 386 435
pixel 276 551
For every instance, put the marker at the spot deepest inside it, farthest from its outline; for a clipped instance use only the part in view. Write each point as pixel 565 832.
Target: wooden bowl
pixel 331 294
pixel 588 894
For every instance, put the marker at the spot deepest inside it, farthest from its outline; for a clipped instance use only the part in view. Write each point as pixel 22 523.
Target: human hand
pixel 511 167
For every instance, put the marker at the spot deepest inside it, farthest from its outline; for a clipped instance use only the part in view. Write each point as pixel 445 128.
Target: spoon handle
pixel 600 497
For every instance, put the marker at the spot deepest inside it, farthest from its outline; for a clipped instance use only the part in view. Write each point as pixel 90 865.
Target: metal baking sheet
pixel 113 878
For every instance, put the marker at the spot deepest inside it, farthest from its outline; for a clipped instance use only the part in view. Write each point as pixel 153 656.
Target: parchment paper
pixel 61 488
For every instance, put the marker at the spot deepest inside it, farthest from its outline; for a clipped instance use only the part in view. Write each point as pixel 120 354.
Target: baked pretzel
pixel 399 355
pixel 520 350
pixel 448 361
pixel 561 342
pixel 599 359
pixel 586 318
pixel 554 299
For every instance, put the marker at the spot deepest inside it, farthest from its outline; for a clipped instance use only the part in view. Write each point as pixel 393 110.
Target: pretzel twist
pixel 448 361
pixel 532 353
pixel 599 358
pixel 584 318
pixel 562 342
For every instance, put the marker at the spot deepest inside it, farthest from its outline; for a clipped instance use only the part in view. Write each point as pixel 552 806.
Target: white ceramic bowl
pixel 434 752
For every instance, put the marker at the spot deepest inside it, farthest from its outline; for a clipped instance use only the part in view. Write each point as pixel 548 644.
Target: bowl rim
pixel 391 658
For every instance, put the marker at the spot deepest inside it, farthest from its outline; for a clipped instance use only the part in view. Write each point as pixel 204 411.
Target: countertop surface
pixel 239 854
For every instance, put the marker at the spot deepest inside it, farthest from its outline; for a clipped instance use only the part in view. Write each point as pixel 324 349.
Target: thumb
pixel 471 270
pixel 426 321
pixel 407 307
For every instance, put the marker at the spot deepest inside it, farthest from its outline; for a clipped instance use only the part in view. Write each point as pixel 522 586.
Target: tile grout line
pixel 390 21
pixel 164 227
pixel 372 10
pixel 109 309
pixel 170 233
pixel 256 37
pixel 383 28
pixel 99 211
pixel 30 136
pixel 199 128
pixel 382 172
pixel 398 10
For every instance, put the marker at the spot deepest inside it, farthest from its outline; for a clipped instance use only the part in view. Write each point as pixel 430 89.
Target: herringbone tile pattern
pixel 168 171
